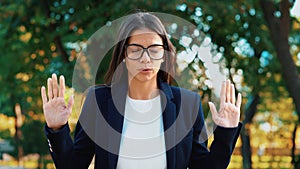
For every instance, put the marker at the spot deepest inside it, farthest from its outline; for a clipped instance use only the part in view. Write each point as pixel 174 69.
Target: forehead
pixel 145 37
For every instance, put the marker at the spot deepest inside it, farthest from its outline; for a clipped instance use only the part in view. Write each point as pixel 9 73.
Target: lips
pixel 145 69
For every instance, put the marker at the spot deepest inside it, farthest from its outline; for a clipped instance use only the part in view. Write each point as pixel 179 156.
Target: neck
pixel 143 90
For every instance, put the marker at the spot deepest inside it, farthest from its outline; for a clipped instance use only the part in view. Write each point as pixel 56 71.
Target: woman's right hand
pixel 56 111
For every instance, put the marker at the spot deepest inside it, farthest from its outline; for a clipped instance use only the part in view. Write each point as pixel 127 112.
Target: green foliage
pixel 34 140
pixel 34 37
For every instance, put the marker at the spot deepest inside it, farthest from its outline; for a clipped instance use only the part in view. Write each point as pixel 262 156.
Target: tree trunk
pixel 18 134
pixel 245 138
pixel 279 31
pixel 57 39
pixel 295 158
pixel 246 148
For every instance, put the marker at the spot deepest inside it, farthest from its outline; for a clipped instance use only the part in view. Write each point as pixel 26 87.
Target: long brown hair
pixel 134 22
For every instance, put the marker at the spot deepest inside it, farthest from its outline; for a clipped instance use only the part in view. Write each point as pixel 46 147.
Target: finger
pixel 222 95
pixel 228 91
pixel 49 85
pixel 61 86
pixel 232 94
pixel 70 103
pixel 214 111
pixel 239 101
pixel 212 107
pixel 54 85
pixel 43 94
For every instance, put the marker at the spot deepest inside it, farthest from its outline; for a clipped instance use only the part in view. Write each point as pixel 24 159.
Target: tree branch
pixel 57 38
pixel 279 36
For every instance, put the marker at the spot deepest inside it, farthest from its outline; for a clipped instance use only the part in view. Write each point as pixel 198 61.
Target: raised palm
pixel 229 112
pixel 56 111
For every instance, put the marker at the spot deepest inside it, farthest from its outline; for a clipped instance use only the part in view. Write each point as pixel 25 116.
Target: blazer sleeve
pixel 221 148
pixel 69 154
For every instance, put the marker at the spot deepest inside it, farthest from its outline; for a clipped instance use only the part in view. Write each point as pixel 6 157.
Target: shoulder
pixel 98 90
pixel 184 93
pixel 102 88
pixel 178 94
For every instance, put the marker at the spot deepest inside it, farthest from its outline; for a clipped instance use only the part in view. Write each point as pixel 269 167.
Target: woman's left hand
pixel 229 114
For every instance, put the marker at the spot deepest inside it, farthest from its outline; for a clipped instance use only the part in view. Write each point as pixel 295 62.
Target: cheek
pixel 130 66
pixel 157 64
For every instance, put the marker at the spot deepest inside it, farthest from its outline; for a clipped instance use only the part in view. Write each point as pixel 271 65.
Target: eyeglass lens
pixel 136 51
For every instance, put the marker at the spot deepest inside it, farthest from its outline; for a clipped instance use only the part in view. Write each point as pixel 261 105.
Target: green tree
pixel 36 39
pixel 238 30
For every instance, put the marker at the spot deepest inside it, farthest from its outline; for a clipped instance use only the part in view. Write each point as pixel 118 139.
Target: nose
pixel 145 57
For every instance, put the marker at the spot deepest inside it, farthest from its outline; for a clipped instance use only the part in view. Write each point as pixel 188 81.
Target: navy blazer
pixel 102 117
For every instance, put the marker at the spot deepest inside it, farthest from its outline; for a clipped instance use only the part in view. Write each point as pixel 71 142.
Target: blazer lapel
pixel 116 108
pixel 169 117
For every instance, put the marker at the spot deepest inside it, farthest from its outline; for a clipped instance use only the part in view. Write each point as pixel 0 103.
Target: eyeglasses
pixel 136 51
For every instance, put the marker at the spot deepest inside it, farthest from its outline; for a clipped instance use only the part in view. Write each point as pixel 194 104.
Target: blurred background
pixel 256 44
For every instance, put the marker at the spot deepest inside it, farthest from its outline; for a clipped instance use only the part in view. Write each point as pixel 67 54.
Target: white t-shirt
pixel 142 143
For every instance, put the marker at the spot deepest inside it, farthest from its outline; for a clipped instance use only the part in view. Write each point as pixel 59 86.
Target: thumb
pixel 71 103
pixel 213 110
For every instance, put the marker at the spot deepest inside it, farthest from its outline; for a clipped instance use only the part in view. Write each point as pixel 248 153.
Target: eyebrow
pixel 155 44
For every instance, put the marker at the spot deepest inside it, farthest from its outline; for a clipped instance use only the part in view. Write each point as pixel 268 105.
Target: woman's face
pixel 141 67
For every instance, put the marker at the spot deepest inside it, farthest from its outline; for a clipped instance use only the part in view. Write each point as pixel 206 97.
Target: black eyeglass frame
pixel 144 49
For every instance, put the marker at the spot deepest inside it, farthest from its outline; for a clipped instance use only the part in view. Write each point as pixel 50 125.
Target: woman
pixel 161 126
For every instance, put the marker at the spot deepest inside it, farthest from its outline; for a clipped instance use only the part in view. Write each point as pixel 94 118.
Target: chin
pixel 145 78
